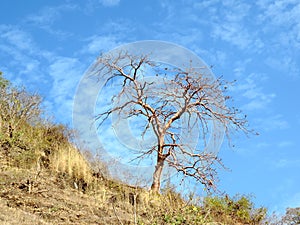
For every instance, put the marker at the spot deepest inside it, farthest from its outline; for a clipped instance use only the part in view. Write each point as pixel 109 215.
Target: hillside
pixel 28 196
pixel 46 179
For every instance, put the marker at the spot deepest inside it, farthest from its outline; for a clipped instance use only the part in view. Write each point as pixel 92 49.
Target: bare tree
pixel 291 217
pixel 17 107
pixel 163 98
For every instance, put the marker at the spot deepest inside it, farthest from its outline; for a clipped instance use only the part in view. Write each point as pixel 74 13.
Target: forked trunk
pixel 157 174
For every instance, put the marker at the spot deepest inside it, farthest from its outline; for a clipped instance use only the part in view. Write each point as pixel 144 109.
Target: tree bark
pixel 155 187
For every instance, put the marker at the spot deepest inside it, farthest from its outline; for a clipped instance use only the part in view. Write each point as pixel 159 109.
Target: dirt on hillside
pixel 30 198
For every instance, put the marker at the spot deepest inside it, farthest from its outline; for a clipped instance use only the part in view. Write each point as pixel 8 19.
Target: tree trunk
pixel 157 174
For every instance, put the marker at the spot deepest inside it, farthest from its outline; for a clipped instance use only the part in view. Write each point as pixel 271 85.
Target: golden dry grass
pixel 67 159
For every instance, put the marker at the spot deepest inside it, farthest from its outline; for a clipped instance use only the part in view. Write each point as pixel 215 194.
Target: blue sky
pixel 48 45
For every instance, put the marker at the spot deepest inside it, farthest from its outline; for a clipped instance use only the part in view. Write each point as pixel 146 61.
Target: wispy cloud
pixel 281 20
pixel 275 122
pixel 91 6
pixel 23 54
pixel 285 64
pixel 65 73
pixel 57 83
pixel 286 163
pixel 111 35
pixel 285 144
pixel 17 38
pixel 273 33
pixel 100 43
pixel 230 23
pixel 275 146
pixel 110 2
pixel 280 12
pixel 232 33
pixel 262 144
pixel 251 89
pixel 284 14
pixel 47 17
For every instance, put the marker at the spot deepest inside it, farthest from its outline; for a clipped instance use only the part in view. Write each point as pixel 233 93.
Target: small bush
pixel 239 209
pixel 28 140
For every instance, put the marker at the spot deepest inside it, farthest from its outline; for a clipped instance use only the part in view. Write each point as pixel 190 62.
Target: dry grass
pixel 15 216
pixel 68 160
pixel 49 199
pixel 49 196
pixel 51 182
pixel 60 187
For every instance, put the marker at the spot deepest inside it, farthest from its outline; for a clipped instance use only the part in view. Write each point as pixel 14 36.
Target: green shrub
pixel 239 208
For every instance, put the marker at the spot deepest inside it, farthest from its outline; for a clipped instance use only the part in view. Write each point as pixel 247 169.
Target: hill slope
pixel 46 199
pixel 45 179
pixel 28 196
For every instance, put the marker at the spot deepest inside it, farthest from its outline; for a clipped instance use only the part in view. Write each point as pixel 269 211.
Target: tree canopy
pixel 170 100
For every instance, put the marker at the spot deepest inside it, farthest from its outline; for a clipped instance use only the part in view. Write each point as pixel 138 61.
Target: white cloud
pixel 281 19
pixel 187 38
pixel 65 72
pixel 232 33
pixel 111 35
pixel 27 59
pixel 23 56
pixel 284 64
pixel 240 67
pixel 271 29
pixel 93 5
pixel 281 163
pixel 281 12
pixel 17 38
pixel 257 99
pixel 270 145
pixel 230 24
pixel 98 44
pixel 285 144
pixel 275 122
pixel 260 102
pixel 45 19
pixel 263 145
pixel 286 163
pixel 110 2
pixel 205 4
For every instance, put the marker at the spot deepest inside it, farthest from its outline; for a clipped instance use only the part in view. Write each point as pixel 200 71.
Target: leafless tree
pixel 291 217
pixel 163 98
pixel 17 106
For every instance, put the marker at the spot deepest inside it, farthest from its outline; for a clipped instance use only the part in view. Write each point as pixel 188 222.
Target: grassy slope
pixel 44 179
pixel 26 198
pixel 31 196
pixel 46 196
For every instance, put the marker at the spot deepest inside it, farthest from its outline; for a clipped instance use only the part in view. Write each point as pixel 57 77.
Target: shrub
pixel 29 140
pixel 239 209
